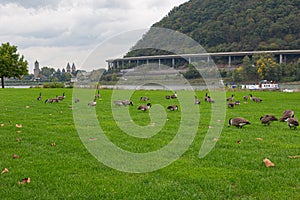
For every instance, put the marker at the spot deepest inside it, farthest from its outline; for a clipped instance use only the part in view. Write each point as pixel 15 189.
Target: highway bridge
pixel 172 59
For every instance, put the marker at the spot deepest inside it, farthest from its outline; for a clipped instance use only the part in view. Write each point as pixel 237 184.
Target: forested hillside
pixel 227 26
pixel 237 25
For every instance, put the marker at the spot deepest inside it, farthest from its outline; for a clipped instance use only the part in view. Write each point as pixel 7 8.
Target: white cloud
pixel 61 31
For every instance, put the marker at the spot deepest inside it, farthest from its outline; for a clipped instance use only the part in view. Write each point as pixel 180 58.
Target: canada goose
pixel 51 100
pixel 76 100
pixel 238 122
pixel 210 100
pixel 293 122
pixel 230 98
pixel 93 103
pixel 255 99
pixel 173 107
pixel 245 98
pixel 267 119
pixel 174 96
pixel 39 97
pixel 144 107
pixel 196 100
pixel 127 102
pixel 98 95
pixel 118 103
pixel 231 105
pixel 205 97
pixel 61 97
pixel 144 99
pixel 168 96
pixel 251 96
pixel 237 103
pixel 286 115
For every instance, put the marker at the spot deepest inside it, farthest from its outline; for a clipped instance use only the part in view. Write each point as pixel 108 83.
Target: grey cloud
pixel 33 3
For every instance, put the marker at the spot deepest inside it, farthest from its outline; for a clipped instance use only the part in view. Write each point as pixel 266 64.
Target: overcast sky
pixel 56 32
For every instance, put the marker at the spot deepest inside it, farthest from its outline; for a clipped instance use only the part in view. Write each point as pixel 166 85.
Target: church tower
pixel 36 70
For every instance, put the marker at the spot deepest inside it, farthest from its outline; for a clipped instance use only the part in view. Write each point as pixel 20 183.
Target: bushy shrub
pixel 53 85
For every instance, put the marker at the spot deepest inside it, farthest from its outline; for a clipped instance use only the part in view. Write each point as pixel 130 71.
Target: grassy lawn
pixel 66 170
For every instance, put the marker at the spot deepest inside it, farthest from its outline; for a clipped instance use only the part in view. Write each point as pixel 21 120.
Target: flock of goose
pixel 51 100
pixel 287 115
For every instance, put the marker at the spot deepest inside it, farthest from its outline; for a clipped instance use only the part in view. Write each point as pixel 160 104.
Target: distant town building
pixel 63 71
pixel 36 70
pixel 73 68
pixel 68 68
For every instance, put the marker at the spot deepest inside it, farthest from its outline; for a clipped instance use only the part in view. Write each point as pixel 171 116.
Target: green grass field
pixel 67 170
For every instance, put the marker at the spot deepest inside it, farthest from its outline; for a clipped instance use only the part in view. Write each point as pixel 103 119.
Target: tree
pixel 11 63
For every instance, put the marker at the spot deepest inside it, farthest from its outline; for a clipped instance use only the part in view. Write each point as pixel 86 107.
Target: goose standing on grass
pixel 210 100
pixel 238 122
pixel 76 100
pixel 205 97
pixel 118 103
pixel 174 96
pixel 144 107
pixel 144 99
pixel 251 97
pixel 293 122
pixel 168 97
pixel 286 115
pixel 267 119
pixel 255 99
pixel 196 100
pixel 237 103
pixel 98 95
pixel 172 107
pixel 39 97
pixel 127 103
pixel 245 98
pixel 51 100
pixel 230 98
pixel 231 105
pixel 61 97
pixel 93 103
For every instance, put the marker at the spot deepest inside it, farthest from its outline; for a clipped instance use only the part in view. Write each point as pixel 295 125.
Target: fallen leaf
pixel 239 141
pixel 260 139
pixel 53 144
pixel 210 127
pixel 268 163
pixel 5 171
pixel 19 139
pixel 294 156
pixel 24 180
pixel 18 132
pixel 27 106
pixel 92 139
pixel 19 125
pixel 216 139
pixel 15 156
pixel 1 125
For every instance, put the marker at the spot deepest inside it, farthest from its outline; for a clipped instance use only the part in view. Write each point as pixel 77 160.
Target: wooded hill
pixel 235 25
